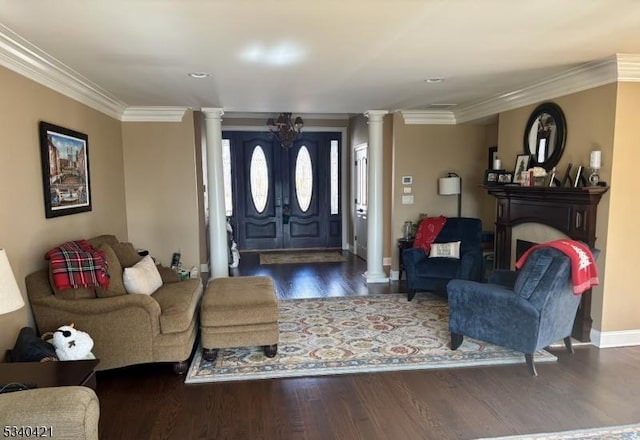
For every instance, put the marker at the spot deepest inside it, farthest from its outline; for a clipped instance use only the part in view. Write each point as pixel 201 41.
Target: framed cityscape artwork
pixel 65 170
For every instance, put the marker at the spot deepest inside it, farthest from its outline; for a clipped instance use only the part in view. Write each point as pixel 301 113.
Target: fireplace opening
pixel 522 246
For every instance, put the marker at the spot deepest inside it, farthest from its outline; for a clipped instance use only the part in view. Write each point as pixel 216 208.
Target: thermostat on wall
pixel 407 180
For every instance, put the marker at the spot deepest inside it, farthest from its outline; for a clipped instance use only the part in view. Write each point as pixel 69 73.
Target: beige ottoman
pixel 239 312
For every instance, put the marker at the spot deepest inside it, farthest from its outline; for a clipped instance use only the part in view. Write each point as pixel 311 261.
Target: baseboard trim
pixel 394 275
pixel 623 338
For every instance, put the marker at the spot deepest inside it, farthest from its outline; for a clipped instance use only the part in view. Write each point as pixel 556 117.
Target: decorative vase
pixel 407 230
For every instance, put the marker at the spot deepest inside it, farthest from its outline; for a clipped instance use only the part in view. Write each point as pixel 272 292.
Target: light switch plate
pixel 407 200
pixel 407 190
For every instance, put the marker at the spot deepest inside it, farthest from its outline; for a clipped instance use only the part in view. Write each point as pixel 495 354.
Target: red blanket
pixel 584 272
pixel 428 230
pixel 78 264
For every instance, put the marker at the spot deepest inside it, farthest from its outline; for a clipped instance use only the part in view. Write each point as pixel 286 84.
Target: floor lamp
pixel 10 296
pixel 451 185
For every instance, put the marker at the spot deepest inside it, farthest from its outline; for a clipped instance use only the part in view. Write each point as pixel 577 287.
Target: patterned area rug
pixel 355 335
pixel 626 432
pixel 300 257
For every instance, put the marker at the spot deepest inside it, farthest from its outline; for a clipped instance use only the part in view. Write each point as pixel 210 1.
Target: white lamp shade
pixel 10 296
pixel 449 186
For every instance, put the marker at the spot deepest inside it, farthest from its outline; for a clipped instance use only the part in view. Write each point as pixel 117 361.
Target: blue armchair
pixel 525 310
pixel 432 274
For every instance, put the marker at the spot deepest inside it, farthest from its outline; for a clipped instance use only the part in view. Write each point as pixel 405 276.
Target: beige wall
pixel 621 301
pixel 590 119
pixel 161 188
pixel 428 152
pixel 24 231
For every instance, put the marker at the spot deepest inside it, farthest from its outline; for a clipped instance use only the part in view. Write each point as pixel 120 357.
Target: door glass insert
pixel 259 178
pixel 334 177
pixel 304 179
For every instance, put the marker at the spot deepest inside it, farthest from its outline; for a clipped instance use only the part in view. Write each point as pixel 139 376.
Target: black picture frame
pixel 65 170
pixel 491 177
pixel 522 164
pixel 566 180
pixel 505 177
pixel 580 180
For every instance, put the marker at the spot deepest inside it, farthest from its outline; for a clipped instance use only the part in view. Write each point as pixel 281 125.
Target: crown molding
pixel 153 114
pixel 428 117
pixel 619 67
pixel 24 58
pixel 628 67
pixel 306 116
pixel 576 79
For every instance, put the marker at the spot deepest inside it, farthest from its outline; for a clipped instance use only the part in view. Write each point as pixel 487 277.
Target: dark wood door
pixel 286 198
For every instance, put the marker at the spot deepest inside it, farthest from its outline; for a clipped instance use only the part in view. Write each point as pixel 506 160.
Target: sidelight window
pixel 334 177
pixel 304 178
pixel 259 178
pixel 226 173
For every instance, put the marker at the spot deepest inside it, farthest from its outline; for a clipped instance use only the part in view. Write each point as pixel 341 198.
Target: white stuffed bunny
pixel 71 344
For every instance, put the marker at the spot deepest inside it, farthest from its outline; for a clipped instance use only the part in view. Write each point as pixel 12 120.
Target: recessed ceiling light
pixel 435 80
pixel 199 75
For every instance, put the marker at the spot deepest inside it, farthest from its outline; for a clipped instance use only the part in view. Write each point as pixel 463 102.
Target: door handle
pixel 286 213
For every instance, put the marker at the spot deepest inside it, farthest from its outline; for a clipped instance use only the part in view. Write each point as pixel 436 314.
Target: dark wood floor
pixel 591 388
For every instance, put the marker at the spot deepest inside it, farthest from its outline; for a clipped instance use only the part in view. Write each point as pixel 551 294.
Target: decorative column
pixel 218 246
pixel 375 270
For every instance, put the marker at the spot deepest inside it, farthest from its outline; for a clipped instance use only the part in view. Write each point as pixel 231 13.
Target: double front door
pixel 285 198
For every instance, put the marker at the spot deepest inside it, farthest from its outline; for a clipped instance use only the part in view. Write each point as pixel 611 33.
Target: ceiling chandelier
pixel 285 129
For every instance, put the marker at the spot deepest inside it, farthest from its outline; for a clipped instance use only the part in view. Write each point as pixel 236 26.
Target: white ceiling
pixel 319 56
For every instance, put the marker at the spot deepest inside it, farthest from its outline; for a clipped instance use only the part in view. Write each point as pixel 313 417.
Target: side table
pixel 50 374
pixel 403 243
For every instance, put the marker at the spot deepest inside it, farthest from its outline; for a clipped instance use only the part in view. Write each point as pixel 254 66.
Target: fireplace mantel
pixel 572 211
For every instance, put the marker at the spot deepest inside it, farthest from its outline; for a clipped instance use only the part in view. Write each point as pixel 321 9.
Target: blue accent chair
pixel 525 310
pixel 432 274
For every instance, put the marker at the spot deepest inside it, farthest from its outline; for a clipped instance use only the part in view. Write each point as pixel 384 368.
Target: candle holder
pixel 595 163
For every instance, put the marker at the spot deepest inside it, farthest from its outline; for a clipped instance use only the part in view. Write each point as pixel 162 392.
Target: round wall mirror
pixel 545 134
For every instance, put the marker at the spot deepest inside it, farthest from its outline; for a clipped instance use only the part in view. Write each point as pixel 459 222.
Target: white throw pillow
pixel 446 250
pixel 143 277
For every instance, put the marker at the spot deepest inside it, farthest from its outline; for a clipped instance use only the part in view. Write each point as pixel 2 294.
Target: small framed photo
pixel 522 164
pixel 505 177
pixel 491 177
pixel 579 180
pixel 566 180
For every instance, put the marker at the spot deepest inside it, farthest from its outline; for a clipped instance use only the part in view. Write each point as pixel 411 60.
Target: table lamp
pixel 10 296
pixel 451 185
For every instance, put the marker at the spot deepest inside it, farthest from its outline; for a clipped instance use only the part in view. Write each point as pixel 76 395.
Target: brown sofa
pixel 126 329
pixel 62 412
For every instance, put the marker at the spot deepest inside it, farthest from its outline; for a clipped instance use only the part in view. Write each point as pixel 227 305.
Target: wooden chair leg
pixel 568 344
pixel 209 354
pixel 270 350
pixel 180 368
pixel 532 368
pixel 456 340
